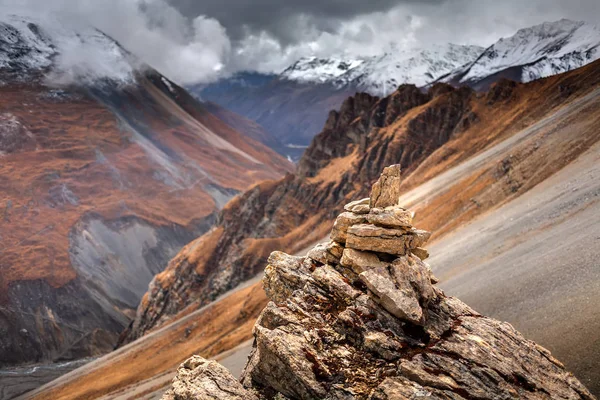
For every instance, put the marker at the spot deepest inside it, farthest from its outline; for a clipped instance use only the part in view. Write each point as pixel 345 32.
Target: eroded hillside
pixel 465 157
pixel 99 187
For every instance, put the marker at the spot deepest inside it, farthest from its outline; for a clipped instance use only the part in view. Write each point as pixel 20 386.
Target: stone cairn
pixel 380 247
pixel 360 318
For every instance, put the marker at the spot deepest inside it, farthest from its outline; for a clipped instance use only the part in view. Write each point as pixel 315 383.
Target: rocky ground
pixel 534 282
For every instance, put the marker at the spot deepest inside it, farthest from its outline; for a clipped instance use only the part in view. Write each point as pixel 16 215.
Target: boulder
pixel 198 378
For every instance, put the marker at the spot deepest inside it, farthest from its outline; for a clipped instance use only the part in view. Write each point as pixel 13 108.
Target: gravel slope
pixel 535 262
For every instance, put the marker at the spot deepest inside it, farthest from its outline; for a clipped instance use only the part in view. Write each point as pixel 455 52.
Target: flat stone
pixel 386 191
pixel 360 261
pixel 420 252
pixel 343 222
pixel 392 217
pixel 400 302
pixel 358 206
pixel 326 253
pixel 419 238
pixel 383 240
pixel 361 209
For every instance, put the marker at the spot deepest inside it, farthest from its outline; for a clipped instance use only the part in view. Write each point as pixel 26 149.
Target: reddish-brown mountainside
pixel 427 132
pixel 99 188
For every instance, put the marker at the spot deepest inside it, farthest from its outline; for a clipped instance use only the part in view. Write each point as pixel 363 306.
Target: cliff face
pixel 361 318
pixel 425 133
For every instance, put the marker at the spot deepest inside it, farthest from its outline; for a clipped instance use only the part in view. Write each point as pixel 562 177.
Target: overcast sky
pixel 198 40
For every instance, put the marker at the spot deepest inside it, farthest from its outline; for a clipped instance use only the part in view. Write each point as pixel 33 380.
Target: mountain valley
pixel 144 222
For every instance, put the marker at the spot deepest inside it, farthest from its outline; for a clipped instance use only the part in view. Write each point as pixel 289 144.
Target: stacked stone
pixel 374 242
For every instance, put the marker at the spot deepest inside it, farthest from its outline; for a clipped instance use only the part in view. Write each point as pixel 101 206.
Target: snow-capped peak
pixel 540 51
pixel 66 55
pixel 381 75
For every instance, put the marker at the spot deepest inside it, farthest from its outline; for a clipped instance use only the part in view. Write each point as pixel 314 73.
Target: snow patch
pixel 168 84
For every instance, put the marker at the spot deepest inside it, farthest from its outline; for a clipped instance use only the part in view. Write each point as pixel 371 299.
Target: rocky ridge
pixel 350 322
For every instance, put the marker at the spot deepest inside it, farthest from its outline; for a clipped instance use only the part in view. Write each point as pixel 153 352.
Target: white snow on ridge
pixel 381 75
pixel 542 50
pixel 83 55
pixel 539 51
pixel 321 70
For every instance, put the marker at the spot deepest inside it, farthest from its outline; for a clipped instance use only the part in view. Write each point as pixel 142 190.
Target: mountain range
pixel 292 105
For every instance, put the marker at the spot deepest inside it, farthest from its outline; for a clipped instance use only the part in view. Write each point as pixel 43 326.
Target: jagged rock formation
pixel 347 322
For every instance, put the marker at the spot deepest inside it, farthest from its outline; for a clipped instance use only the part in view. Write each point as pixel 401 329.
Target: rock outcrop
pixel 363 320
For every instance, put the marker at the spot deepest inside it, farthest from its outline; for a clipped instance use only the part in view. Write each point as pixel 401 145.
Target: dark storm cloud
pixel 267 35
pixel 282 18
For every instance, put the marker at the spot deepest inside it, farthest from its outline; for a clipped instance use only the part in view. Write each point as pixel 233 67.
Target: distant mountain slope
pixel 293 106
pixel 532 53
pixel 244 125
pixel 102 180
pixel 291 112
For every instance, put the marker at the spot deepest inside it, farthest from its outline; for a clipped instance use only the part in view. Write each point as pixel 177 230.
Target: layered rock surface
pixel 352 323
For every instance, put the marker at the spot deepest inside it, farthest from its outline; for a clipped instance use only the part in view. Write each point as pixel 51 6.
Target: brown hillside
pixel 78 167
